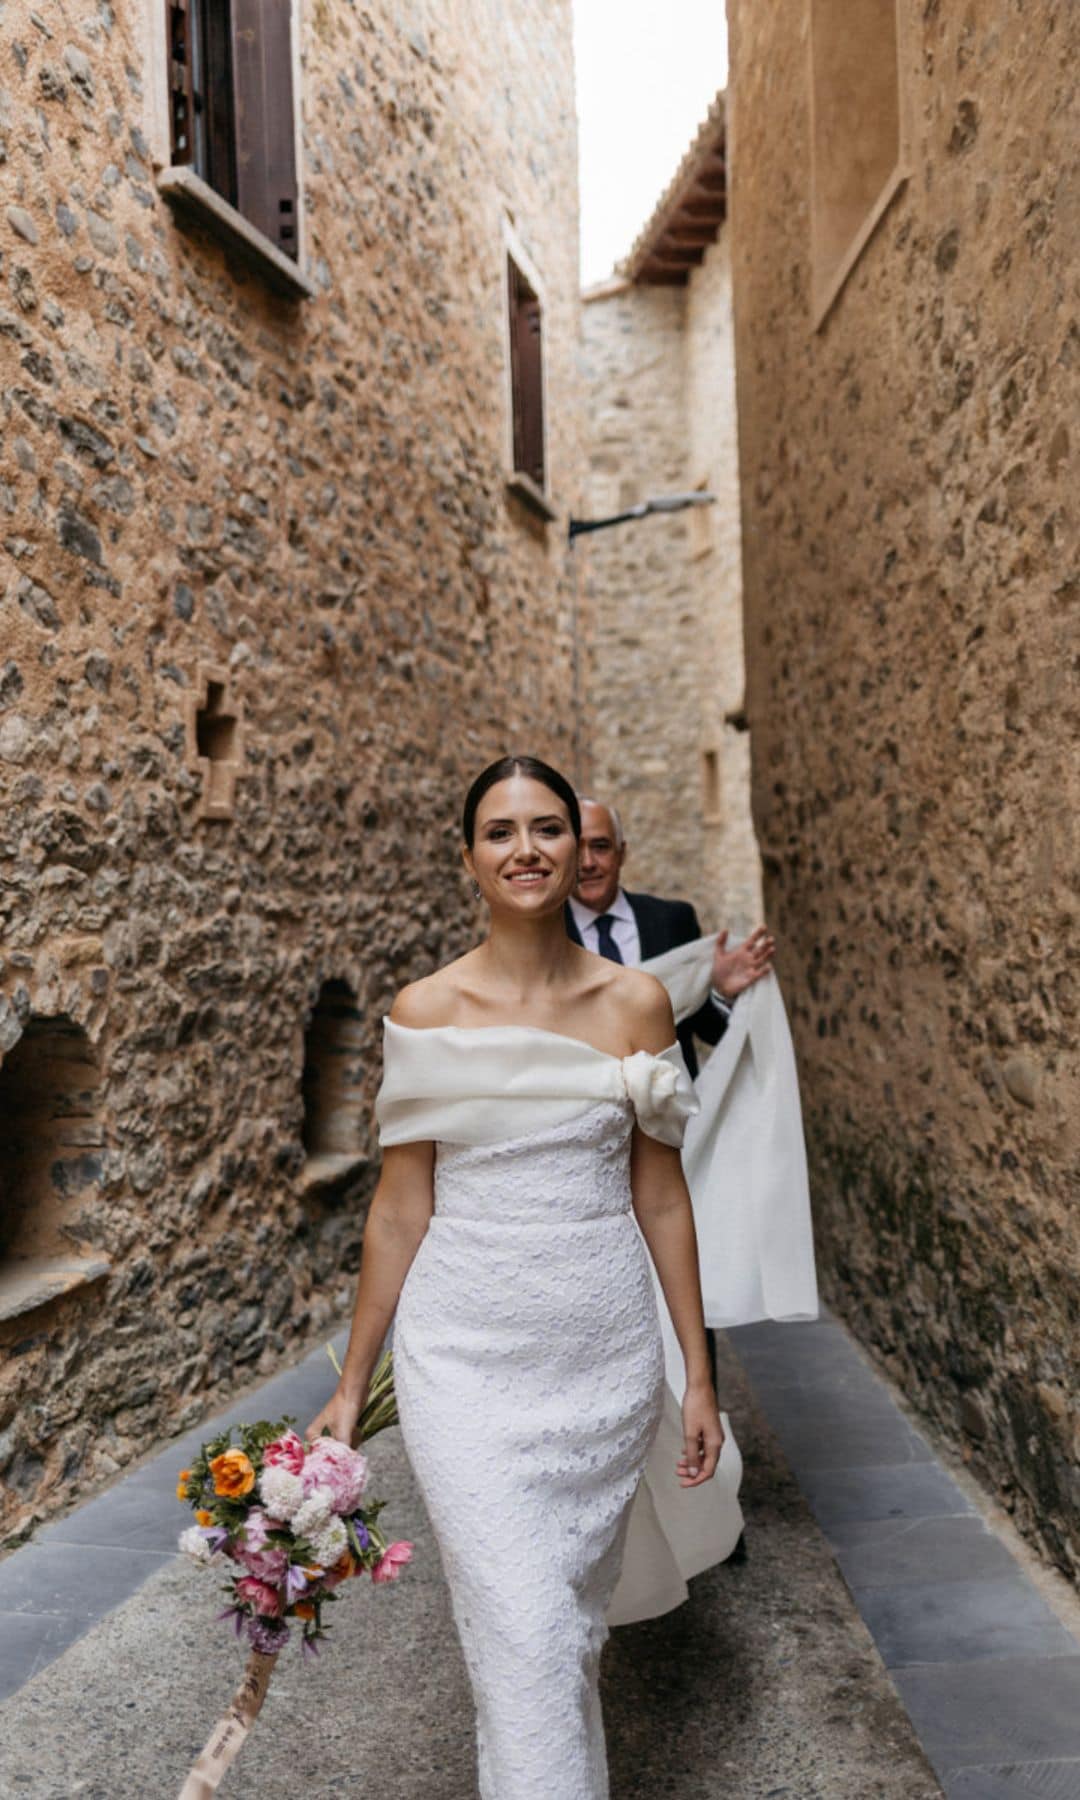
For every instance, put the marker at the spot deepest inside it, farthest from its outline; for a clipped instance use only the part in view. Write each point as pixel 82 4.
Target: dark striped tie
pixel 605 942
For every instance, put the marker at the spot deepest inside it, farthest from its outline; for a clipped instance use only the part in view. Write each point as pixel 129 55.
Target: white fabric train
pixel 745 1165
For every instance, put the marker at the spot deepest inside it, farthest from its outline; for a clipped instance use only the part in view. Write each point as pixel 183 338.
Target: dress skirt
pixel 529 1376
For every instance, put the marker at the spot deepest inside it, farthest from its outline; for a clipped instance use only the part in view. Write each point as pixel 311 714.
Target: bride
pixel 533 1102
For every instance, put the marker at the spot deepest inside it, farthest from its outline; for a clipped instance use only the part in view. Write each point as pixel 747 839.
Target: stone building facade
pixel 905 253
pixel 664 594
pixel 268 600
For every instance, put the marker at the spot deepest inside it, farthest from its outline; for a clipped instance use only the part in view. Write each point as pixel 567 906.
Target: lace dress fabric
pixel 529 1374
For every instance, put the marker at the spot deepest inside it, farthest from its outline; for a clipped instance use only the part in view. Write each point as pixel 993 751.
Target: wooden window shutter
pixel 181 82
pixel 526 376
pixel 266 184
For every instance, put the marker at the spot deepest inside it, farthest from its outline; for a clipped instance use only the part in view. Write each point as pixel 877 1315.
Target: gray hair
pixel 613 814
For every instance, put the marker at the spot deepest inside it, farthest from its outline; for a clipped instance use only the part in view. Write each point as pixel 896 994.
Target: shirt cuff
pixel 722 1006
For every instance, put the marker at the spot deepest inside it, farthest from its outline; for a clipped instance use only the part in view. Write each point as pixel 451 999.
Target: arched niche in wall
pixel 334 1126
pixel 50 1142
pixel 858 133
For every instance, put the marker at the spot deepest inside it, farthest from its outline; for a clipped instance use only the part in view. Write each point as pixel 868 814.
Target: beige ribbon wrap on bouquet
pixel 227 1739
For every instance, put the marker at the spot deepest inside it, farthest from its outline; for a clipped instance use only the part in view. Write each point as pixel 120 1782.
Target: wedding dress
pixel 529 1366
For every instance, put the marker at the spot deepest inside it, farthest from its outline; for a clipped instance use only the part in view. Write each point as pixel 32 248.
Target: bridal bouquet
pixel 289 1522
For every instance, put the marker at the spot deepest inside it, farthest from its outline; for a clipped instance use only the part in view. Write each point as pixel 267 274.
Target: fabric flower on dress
pixel 661 1094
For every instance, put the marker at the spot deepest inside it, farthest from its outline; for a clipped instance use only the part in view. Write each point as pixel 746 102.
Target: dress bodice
pixel 494 1084
pixel 564 1173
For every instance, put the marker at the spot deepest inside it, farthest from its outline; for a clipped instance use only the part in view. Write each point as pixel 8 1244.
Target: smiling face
pixel 600 858
pixel 524 853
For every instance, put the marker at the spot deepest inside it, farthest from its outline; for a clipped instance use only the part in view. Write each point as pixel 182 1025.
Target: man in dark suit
pixel 631 928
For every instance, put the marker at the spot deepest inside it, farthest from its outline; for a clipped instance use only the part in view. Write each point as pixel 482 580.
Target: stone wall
pixel 911 593
pixel 663 593
pixel 303 502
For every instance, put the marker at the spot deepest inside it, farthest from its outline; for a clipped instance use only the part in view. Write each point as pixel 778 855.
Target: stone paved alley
pixel 768 1684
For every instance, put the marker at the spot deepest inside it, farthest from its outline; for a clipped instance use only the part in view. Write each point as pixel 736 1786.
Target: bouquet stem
pixel 380 1410
pixel 227 1739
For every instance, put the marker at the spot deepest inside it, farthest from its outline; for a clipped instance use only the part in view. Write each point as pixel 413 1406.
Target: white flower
pixel 193 1544
pixel 330 1543
pixel 661 1094
pixel 314 1514
pixel 282 1493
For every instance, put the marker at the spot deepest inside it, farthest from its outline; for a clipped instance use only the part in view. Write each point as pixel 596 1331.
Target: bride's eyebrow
pixel 541 819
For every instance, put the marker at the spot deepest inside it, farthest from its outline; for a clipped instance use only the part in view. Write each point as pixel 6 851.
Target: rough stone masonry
pixel 912 585
pixel 273 535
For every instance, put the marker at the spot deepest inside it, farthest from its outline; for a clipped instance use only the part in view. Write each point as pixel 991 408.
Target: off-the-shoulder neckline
pixel 535 1030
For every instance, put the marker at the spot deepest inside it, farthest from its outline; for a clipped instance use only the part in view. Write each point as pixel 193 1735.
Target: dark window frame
pixel 232 109
pixel 528 397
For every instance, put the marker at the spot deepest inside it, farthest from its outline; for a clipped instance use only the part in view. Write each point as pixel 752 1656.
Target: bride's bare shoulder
pixel 433 1001
pixel 646 1009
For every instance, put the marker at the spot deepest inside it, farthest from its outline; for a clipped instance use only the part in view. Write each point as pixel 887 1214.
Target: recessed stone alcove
pixel 50 1139
pixel 333 1086
pixel 215 740
pixel 858 152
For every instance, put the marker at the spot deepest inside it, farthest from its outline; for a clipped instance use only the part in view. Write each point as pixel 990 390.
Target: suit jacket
pixel 662 925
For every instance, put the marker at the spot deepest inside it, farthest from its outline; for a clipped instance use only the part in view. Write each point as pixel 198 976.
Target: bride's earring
pixel 476 890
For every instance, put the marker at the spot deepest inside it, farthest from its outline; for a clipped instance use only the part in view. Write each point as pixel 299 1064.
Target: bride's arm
pixel 397 1221
pixel 663 1210
pixel 662 1206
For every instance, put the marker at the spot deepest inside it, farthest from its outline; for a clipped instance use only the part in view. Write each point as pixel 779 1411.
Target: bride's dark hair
pixel 502 770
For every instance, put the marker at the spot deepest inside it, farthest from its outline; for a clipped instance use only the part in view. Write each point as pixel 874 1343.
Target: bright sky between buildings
pixel 647 71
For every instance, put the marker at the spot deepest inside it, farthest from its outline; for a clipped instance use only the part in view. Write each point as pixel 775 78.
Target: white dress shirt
pixel 624 927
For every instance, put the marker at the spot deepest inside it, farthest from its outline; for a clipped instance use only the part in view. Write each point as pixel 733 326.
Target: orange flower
pixel 233 1474
pixel 181 1484
pixel 202 1517
pixel 345 1566
pixel 304 1609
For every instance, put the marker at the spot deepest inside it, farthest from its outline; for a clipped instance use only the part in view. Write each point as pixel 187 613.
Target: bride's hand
pixel 338 1416
pixel 704 1436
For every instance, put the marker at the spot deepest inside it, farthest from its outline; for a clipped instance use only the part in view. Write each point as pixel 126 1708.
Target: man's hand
pixel 733 971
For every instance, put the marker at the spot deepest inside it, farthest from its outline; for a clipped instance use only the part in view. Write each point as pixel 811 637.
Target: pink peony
pixel 267 1561
pixel 285 1453
pixel 259 1594
pixel 391 1562
pixel 333 1465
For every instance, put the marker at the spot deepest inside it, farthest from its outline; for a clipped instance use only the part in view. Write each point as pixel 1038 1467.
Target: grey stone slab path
pixel 765 1686
pixel 988 1670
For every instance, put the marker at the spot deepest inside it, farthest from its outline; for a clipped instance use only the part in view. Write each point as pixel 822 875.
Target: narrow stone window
pixel 527 474
pixel 50 1157
pixel 526 375
pixel 710 786
pixel 333 1083
pixel 231 107
pixel 858 140
pixel 215 742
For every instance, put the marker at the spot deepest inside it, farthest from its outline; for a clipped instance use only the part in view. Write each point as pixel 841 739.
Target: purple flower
pixel 310 1646
pixel 268 1636
pixel 237 1615
pixel 363 1535
pixel 215 1536
pixel 296 1583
